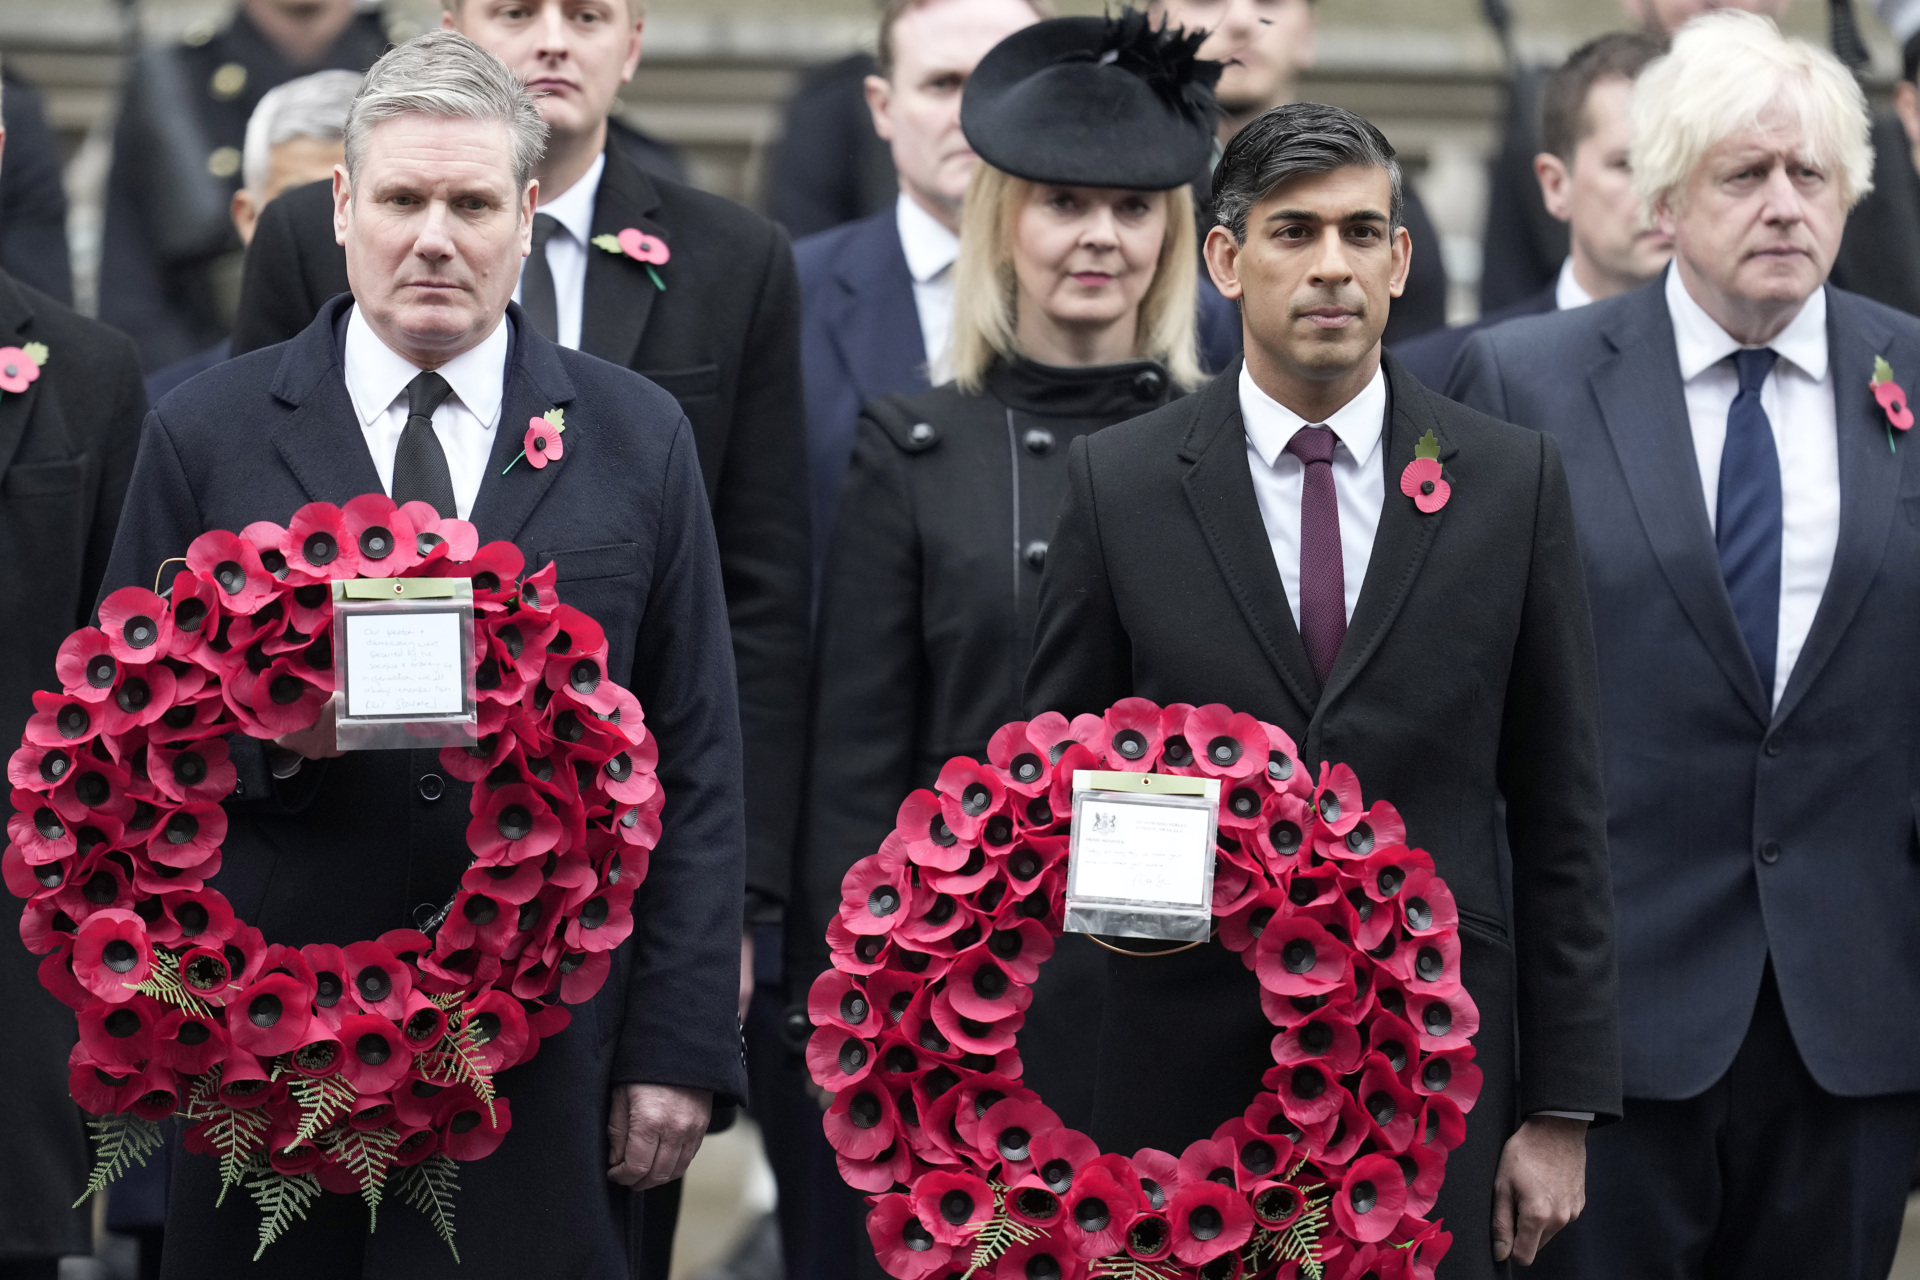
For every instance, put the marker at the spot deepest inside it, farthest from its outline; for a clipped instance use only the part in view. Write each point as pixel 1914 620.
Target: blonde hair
pixel 986 297
pixel 1729 71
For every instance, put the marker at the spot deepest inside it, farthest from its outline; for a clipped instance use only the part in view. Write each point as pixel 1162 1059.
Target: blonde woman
pixel 1074 310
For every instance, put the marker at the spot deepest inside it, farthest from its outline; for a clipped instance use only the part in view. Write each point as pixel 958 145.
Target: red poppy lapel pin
pixel 19 366
pixel 649 251
pixel 1421 480
pixel 1893 399
pixel 542 444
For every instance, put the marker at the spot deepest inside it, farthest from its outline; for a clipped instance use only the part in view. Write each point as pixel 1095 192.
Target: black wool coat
pixel 360 844
pixel 1466 675
pixel 723 339
pixel 926 624
pixel 66 450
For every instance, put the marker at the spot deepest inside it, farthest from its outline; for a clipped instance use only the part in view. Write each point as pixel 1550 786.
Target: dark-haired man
pixel 1253 548
pixel 1587 184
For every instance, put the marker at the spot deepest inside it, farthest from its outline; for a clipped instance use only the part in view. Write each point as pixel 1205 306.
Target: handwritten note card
pixel 1141 852
pixel 404 664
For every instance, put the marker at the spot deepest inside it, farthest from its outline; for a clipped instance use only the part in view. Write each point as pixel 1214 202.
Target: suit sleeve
pixel 1082 658
pixel 681 1022
pixel 1550 774
pixel 1475 380
pixel 760 515
pixel 275 303
pixel 870 671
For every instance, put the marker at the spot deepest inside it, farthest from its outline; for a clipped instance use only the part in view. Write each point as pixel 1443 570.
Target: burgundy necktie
pixel 1323 579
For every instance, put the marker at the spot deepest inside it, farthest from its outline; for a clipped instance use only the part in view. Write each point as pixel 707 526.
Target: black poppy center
pixel 133 695
pixel 100 670
pixel 1043 1266
pixel 1223 750
pixel 193 1034
pixel 1024 864
pixel 48 824
pixel 465 1122
pixel 73 720
pixel 482 910
pixel 140 632
pixel 1299 956
pixel 122 1023
pixel 189 768
pixel 54 765
pixel 1285 837
pixel 956 1207
pixel 853 1007
pixel 884 900
pixel 1205 1222
pixel 1419 914
pixel 1258 1157
pixel 515 822
pixel 192 917
pixel 915 1236
pixel 1177 752
pixel 231 577
pixel 372 1049
pixel 1426 487
pixel 853 1056
pixel 1013 1142
pixel 119 956
pixel 975 799
pixel 320 548
pixel 1279 766
pixel 1244 802
pixel 264 1010
pixel 1130 743
pixel 940 833
pixel 181 828
pixel 1381 1107
pixel 1092 1214
pixel 1429 965
pixel 1330 807
pixel 1363 1197
pixel 1027 767
pixel 286 690
pixel 1058 1175
pixel 1437 1074
pixel 989 982
pixel 1439 1019
pixel 585 676
pixel 373 983
pixel 1360 839
pixel 1316 1037
pixel 101 888
pixel 1308 1083
pixel 327 989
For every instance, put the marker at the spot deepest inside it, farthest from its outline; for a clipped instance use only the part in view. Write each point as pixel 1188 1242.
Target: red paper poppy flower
pixel 1042 1259
pixel 1422 482
pixel 1393 1108
pixel 499 1027
pixel 981 989
pixel 513 825
pixel 40 834
pixel 905 1247
pixel 641 247
pixel 195 771
pixel 1133 734
pixel 18 370
pixel 120 1034
pixel 1380 827
pixel 1295 956
pixel 924 834
pixel 1370 1198
pixel 111 954
pixel 271 1015
pixel 86 665
pixel 873 897
pixel 1893 401
pixel 320 1055
pixel 952 1206
pixel 189 835
pixel 837 999
pixel 63 722
pixel 376 1058
pixel 244 1081
pixel 1208 1220
pixel 320 544
pixel 1425 1169
pixel 99 1089
pixel 1226 743
pixel 1427 905
pixel 542 443
pixel 471 1131
pixel 1097 1208
pixel 189 1043
pixel 1450 1073
pixel 1005 1132
pixel 232 565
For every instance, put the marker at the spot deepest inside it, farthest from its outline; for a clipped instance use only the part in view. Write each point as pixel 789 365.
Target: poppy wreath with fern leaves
pixel 1331 1170
pixel 361 1069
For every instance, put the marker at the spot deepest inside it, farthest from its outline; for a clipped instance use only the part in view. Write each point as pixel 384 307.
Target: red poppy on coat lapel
pixel 1422 482
pixel 470 1131
pixel 111 954
pixel 905 1247
pixel 542 443
pixel 1208 1220
pixel 1370 1198
pixel 1891 397
pixel 20 366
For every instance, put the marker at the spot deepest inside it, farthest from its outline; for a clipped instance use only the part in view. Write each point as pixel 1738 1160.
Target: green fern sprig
pixel 368 1154
pixel 999 1233
pixel 1122 1267
pixel 119 1142
pixel 458 1055
pixel 238 1134
pixel 429 1187
pixel 322 1101
pixel 282 1198
pixel 163 984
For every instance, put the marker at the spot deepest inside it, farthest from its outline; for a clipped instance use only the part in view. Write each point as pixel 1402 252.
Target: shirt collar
pixel 377 375
pixel 1701 343
pixel 573 208
pixel 1567 291
pixel 1357 424
pixel 930 247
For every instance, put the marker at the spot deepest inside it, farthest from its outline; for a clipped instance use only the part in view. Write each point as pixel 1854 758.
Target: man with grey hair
pixel 411 386
pixel 1741 486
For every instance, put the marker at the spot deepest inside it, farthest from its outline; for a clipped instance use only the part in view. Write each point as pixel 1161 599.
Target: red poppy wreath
pixel 1332 1169
pixel 363 1068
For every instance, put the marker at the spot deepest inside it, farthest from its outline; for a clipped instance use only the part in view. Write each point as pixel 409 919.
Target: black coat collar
pixel 17 329
pixel 1113 392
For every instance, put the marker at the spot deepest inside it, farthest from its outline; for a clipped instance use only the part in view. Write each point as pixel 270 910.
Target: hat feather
pixel 1167 58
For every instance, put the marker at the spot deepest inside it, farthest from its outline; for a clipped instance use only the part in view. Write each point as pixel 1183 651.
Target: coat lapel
pixel 1869 485
pixel 16 407
pixel 321 440
pixel 1404 535
pixel 619 293
pixel 874 323
pixel 1642 399
pixel 535 383
pixel 1220 489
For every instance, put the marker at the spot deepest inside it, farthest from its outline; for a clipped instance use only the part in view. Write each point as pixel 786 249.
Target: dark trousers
pixel 1765 1176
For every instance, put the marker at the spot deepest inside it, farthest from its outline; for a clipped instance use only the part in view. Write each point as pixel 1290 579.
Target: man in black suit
pixel 436 212
pixel 67 444
pixel 33 200
pixel 1446 656
pixel 714 322
pixel 1584 179
pixel 1746 516
pixel 1880 253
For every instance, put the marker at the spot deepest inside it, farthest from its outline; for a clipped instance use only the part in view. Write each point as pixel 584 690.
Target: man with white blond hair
pixel 411 385
pixel 1743 490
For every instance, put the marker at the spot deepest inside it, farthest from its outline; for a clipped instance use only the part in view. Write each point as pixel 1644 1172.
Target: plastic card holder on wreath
pixel 1140 864
pixel 403 663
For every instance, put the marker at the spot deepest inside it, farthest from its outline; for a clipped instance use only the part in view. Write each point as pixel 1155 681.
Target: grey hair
pixel 313 106
pixel 1292 141
pixel 442 73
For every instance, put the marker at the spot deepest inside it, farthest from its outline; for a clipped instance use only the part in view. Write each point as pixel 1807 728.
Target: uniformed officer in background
pixel 33 203
pixel 170 261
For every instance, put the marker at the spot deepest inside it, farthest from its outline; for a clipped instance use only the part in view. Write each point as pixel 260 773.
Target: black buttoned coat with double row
pixel 926 624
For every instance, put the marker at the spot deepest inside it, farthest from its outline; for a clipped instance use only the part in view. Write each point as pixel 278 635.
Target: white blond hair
pixel 986 297
pixel 1729 71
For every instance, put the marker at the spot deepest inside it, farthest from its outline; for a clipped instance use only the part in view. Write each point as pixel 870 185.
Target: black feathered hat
pixel 1094 102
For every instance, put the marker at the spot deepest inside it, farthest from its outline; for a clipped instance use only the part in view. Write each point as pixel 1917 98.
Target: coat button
pixel 1036 555
pixel 1149 383
pixel 1770 852
pixel 1775 745
pixel 922 433
pixel 432 787
pixel 1039 442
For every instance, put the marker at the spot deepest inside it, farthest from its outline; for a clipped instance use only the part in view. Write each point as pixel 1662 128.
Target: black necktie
pixel 1750 524
pixel 420 465
pixel 537 297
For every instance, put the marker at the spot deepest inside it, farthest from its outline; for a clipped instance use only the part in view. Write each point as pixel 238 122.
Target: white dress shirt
pixel 1359 481
pixel 1567 292
pixel 1798 399
pixel 465 422
pixel 931 251
pixel 567 249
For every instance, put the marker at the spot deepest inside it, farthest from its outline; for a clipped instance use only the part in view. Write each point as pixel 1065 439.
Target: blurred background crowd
pixel 144 139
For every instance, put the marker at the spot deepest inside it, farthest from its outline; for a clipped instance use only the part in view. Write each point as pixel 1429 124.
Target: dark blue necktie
pixel 1747 529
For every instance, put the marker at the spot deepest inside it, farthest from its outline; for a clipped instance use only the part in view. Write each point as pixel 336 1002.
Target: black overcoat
pixel 926 623
pixel 1466 675
pixel 66 449
pixel 724 340
pixel 383 834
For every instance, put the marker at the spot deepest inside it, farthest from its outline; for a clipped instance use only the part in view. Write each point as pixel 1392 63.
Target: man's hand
pixel 653 1131
pixel 746 973
pixel 317 741
pixel 1541 1186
